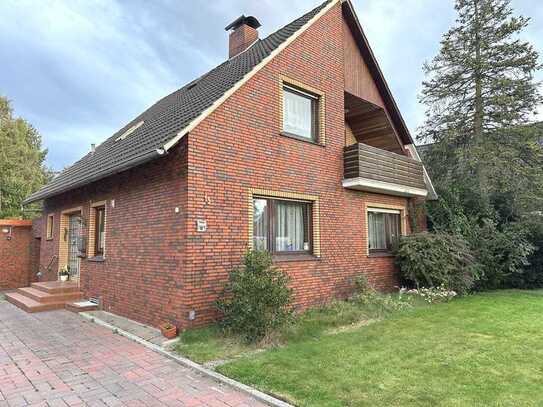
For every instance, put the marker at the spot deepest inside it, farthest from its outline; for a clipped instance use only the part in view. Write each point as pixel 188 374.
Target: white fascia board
pixel 432 194
pixel 381 187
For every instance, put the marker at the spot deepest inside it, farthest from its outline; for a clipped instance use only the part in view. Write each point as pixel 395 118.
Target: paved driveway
pixel 58 359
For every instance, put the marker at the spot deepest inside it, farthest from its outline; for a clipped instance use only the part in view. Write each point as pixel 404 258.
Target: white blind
pixel 383 210
pixel 297 113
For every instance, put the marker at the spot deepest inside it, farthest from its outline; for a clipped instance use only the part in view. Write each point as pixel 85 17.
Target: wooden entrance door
pixel 74 234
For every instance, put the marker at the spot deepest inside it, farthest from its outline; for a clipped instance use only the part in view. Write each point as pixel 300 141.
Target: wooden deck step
pixel 45 297
pixel 56 287
pixel 29 305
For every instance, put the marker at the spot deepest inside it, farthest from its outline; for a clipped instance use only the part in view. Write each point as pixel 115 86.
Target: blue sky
pixel 79 70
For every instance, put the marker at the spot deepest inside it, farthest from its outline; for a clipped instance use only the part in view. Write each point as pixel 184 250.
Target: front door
pixel 74 233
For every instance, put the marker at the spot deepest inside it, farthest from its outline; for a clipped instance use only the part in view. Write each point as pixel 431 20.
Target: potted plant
pixel 168 330
pixel 64 274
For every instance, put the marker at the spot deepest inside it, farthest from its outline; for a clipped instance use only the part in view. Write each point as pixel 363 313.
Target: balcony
pixel 372 169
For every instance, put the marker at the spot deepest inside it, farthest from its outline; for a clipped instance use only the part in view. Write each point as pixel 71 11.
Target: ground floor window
pixel 384 229
pixel 100 230
pixel 97 230
pixel 282 226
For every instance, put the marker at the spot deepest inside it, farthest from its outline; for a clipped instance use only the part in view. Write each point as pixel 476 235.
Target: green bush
pixel 376 304
pixel 531 275
pixel 437 259
pixel 502 253
pixel 257 298
pixel 504 243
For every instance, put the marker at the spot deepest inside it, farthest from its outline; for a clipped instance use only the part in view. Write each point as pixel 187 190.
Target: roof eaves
pixel 195 122
pixel 39 195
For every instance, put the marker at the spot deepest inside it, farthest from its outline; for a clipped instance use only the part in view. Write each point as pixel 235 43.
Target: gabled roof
pixel 159 128
pixel 166 121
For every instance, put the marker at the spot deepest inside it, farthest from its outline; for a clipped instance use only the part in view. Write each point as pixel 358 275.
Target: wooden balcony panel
pixel 367 168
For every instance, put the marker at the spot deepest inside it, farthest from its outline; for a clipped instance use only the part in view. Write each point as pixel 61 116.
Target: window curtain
pixel 297 114
pixel 260 224
pixel 289 227
pixel 392 225
pixel 376 231
pixel 383 230
pixel 101 229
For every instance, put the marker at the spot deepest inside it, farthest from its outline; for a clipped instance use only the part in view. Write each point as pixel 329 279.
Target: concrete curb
pixel 256 394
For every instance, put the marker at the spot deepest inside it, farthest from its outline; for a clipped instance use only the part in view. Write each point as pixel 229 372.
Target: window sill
pixel 48 239
pixel 382 254
pixel 299 138
pixel 280 258
pixel 97 259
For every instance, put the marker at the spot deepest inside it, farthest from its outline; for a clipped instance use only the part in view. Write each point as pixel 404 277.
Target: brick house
pixel 294 145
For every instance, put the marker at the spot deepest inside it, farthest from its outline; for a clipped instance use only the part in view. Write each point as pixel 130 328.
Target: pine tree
pixel 22 169
pixel 481 97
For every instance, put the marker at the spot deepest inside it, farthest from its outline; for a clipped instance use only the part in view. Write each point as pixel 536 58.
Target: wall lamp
pixel 6 230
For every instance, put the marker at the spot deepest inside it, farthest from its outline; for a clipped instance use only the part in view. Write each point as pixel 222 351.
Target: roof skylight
pixel 130 131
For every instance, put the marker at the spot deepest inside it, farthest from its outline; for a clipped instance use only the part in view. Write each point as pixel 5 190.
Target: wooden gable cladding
pixel 360 67
pixel 365 109
pixel 369 124
pixel 358 79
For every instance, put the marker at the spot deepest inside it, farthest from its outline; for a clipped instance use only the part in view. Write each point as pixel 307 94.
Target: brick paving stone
pixel 57 359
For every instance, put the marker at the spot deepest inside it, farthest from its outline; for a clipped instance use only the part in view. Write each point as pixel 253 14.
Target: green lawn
pixel 210 344
pixel 483 350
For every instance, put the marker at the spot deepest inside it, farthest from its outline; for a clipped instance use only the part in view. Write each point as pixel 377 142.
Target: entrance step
pixel 45 297
pixel 81 306
pixel 57 287
pixel 30 305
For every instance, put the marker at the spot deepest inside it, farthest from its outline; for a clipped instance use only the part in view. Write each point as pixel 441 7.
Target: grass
pixel 481 350
pixel 210 344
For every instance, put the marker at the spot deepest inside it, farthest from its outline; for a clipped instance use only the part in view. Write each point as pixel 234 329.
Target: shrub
pixel 500 238
pixel 431 295
pixel 377 304
pixel 502 253
pixel 257 298
pixel 437 259
pixel 532 274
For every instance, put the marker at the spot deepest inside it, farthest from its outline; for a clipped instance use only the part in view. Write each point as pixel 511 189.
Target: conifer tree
pixel 481 97
pixel 22 169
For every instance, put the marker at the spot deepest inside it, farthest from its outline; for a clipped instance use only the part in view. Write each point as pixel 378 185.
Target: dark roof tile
pixel 167 117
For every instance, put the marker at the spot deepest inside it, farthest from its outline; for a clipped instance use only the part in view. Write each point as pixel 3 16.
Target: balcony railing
pixel 371 169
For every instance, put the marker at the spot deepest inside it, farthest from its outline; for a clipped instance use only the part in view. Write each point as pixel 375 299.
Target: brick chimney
pixel 244 33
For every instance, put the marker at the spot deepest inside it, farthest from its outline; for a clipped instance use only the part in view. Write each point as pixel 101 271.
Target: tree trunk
pixel 479 114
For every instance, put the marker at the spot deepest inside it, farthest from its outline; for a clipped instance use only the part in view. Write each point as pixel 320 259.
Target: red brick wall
pixel 239 147
pixel 141 276
pixel 15 257
pixel 159 267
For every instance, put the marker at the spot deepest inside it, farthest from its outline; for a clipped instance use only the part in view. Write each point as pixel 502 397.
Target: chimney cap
pixel 241 20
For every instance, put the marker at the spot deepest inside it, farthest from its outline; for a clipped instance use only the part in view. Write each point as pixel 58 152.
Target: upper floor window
pixel 300 113
pixel 100 230
pixel 49 227
pixel 384 229
pixel 282 226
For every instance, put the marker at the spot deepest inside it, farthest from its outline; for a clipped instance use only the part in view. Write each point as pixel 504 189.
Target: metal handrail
pixel 46 270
